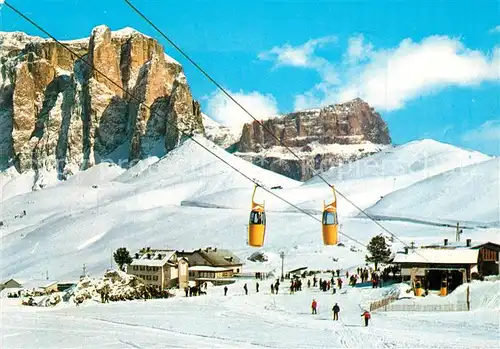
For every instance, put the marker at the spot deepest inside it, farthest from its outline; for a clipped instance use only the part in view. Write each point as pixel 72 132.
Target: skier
pixel 246 289
pixel 225 290
pixel 336 310
pixel 314 305
pixel 339 283
pixel 272 288
pixel 367 316
pixel 257 287
pixel 308 283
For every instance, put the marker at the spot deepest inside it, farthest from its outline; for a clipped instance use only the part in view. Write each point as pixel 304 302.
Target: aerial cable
pixel 172 124
pixel 223 90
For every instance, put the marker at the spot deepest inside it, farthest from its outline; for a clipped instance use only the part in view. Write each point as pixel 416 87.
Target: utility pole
pixel 458 232
pixel 412 245
pixel 84 270
pixel 282 255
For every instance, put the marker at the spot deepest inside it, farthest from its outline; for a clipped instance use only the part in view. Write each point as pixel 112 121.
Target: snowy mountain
pixel 190 199
pixel 221 135
pixel 323 138
pixel 469 194
pixel 58 114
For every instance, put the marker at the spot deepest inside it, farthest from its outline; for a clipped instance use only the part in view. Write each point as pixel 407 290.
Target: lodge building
pixel 455 263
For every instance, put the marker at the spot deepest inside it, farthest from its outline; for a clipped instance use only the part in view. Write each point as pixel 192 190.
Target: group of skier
pixel 336 310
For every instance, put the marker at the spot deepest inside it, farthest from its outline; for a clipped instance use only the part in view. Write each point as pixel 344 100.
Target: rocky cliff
pixel 58 113
pixel 322 138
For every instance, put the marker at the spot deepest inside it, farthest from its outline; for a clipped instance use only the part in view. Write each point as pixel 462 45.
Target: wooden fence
pixel 387 304
pixel 426 307
pixel 382 303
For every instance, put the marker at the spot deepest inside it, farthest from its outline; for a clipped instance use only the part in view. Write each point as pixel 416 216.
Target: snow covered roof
pixel 31 284
pixel 207 268
pixel 438 256
pixel 158 258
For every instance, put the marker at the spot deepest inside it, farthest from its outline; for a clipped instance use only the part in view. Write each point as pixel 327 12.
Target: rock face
pixel 57 112
pixel 221 135
pixel 322 138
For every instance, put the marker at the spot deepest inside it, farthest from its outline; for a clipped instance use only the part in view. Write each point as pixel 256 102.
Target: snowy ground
pixel 189 199
pixel 253 321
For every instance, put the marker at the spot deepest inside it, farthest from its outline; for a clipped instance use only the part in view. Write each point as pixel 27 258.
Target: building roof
pixel 462 244
pixel 207 268
pixel 158 258
pixel 31 284
pixel 219 257
pixel 438 256
pixel 7 280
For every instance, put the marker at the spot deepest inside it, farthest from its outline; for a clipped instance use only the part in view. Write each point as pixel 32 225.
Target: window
pixel 135 267
pixel 238 270
pixel 155 277
pixel 148 277
pixel 329 218
pixel 257 217
pixel 141 268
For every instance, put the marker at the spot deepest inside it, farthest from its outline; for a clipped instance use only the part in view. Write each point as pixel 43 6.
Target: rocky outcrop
pixel 322 138
pixel 57 112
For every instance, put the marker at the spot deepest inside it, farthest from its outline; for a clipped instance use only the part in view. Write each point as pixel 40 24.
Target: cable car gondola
pixel 257 223
pixel 330 221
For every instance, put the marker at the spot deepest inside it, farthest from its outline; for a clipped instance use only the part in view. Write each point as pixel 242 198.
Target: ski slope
pixel 469 194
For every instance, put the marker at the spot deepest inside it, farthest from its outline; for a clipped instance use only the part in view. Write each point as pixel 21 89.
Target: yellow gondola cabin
pixel 330 221
pixel 257 223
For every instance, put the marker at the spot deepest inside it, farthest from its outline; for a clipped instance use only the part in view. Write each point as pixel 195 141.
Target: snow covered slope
pixel 418 159
pixel 468 194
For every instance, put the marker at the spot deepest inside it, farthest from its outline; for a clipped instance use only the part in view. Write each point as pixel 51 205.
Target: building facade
pixel 215 275
pixel 160 269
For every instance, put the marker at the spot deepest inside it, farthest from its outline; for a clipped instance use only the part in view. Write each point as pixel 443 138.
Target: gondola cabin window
pixel 257 217
pixel 329 218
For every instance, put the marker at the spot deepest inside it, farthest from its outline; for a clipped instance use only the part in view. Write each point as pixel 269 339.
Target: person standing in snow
pixel 246 289
pixel 272 288
pixel 339 283
pixel 367 317
pixel 225 290
pixel 257 287
pixel 308 283
pixel 314 306
pixel 336 310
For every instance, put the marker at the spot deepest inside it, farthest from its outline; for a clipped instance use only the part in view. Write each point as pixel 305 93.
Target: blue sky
pixel 432 69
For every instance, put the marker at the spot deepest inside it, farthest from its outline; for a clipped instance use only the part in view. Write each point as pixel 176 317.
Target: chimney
pixel 446 242
pixel 468 242
pixel 406 250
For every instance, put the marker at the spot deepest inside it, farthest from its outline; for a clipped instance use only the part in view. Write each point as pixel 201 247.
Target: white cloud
pixel 298 56
pixel 388 78
pixel 304 56
pixel 495 29
pixel 487 132
pixel 226 112
pixel 357 49
pixel 485 138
